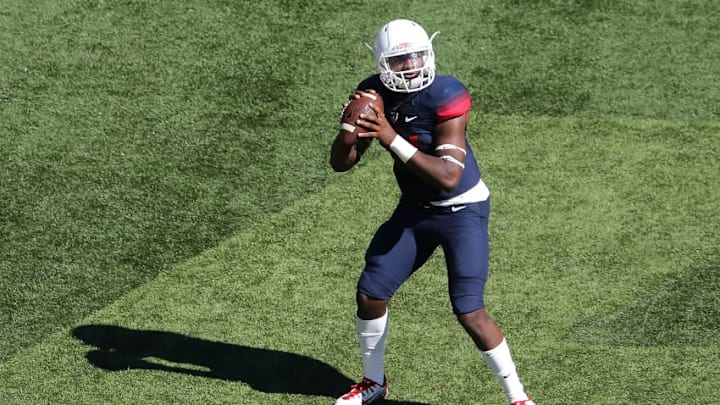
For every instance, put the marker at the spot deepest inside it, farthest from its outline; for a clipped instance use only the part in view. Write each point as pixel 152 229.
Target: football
pixel 351 114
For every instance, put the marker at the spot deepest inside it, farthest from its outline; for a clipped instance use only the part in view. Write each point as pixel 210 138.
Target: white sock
pixel 502 365
pixel 372 334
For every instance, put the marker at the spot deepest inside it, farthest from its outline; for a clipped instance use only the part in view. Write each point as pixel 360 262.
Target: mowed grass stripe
pixel 586 212
pixel 138 134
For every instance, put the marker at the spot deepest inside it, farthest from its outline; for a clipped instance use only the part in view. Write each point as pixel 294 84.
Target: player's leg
pixel 467 255
pixel 372 330
pixel 496 352
pixel 389 261
pixel 481 328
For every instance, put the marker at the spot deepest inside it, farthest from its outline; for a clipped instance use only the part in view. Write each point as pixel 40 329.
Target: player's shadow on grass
pixel 272 371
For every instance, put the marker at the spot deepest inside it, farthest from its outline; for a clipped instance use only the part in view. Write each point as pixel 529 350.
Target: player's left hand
pixel 378 127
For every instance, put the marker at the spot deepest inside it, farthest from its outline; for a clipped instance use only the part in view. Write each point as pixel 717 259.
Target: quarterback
pixel 444 203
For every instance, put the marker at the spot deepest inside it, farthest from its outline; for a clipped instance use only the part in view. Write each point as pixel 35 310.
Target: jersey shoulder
pixel 372 82
pixel 449 96
pixel 450 83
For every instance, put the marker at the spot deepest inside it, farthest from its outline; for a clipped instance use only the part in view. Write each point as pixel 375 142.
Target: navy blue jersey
pixel 414 117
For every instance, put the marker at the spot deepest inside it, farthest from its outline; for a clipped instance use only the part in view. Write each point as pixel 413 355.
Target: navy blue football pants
pixel 410 236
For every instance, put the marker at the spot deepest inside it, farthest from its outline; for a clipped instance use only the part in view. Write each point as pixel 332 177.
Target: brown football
pixel 351 113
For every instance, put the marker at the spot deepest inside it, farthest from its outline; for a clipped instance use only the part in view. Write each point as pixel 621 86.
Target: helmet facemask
pixel 407 71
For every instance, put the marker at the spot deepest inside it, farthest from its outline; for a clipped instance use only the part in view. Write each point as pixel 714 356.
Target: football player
pixel 444 202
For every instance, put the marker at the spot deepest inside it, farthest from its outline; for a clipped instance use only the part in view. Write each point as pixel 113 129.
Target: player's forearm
pixel 435 171
pixel 343 156
pixel 432 169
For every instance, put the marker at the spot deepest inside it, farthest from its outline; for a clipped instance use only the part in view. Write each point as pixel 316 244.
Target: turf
pixel 171 230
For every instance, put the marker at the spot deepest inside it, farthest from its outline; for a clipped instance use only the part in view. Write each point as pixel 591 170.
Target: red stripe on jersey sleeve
pixel 455 108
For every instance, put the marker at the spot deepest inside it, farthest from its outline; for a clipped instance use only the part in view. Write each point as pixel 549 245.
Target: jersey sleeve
pixel 453 100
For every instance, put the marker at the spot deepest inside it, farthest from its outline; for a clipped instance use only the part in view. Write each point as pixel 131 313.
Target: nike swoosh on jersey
pixel 409 119
pixel 456 208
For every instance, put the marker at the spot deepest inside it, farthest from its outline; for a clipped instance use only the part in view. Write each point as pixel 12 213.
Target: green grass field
pixel 171 231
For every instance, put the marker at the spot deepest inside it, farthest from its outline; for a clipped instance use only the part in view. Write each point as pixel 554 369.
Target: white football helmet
pixel 405 56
